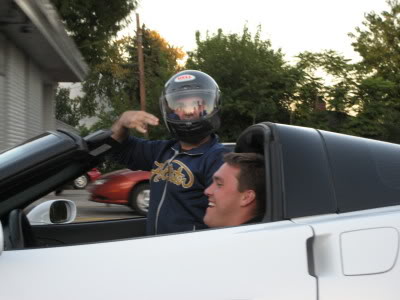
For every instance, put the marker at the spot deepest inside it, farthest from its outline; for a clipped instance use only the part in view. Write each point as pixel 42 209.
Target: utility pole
pixel 142 89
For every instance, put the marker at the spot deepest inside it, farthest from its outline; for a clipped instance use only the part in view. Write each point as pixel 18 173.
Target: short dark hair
pixel 251 175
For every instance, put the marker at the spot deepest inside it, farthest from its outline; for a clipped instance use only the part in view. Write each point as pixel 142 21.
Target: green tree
pixel 67 109
pixel 378 111
pixel 378 43
pixel 93 23
pixel 161 62
pixel 325 91
pixel 113 85
pixel 256 82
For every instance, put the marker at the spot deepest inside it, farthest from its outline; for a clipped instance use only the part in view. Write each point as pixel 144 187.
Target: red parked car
pixel 82 181
pixel 126 187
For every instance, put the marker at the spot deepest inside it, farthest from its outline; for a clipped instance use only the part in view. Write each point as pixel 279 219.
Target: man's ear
pixel 248 197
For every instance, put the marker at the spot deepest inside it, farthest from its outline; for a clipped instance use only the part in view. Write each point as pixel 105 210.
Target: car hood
pixel 118 173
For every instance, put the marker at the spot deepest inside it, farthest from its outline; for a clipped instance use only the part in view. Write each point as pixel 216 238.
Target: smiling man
pixel 237 194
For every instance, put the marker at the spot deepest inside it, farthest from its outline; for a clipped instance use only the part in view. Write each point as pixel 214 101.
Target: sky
pixel 292 25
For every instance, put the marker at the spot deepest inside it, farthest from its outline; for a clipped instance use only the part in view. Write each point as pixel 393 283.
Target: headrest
pixel 253 139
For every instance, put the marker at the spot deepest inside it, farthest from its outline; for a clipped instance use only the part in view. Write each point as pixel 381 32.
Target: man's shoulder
pixel 139 140
pixel 215 152
pixel 215 142
pixel 216 145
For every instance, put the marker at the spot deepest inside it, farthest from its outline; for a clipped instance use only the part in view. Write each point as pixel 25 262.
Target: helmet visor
pixel 190 105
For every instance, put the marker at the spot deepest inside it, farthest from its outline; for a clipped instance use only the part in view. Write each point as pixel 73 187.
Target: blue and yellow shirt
pixel 178 180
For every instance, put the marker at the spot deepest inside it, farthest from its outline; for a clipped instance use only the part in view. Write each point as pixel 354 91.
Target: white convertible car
pixel 331 229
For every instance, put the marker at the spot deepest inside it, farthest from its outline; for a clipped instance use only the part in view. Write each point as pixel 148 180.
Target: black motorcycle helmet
pixel 190 105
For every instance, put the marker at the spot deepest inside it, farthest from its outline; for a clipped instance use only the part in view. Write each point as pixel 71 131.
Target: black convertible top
pixel 36 167
pixel 313 172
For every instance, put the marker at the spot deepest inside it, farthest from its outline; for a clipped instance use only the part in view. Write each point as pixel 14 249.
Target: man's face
pixel 189 108
pixel 224 197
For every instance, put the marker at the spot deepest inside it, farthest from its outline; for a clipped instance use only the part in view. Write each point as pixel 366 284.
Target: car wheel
pixel 140 198
pixel 81 182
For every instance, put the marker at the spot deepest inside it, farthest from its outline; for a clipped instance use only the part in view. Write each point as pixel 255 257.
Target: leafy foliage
pixel 378 42
pixel 362 98
pixel 325 91
pixel 93 23
pixel 67 110
pixel 255 81
pixel 113 86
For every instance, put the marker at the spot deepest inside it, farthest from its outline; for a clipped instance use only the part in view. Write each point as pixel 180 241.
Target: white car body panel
pixel 331 230
pixel 246 262
pixel 1 239
pixel 356 254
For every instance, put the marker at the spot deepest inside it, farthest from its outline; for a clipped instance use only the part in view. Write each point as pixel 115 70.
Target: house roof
pixel 35 27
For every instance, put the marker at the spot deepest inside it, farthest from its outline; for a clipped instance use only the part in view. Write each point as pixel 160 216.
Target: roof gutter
pixel 45 18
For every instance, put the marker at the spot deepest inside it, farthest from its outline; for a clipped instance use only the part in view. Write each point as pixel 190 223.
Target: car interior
pixel 81 155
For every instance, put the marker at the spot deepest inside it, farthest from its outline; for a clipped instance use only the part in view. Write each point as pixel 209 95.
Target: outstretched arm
pixel 134 119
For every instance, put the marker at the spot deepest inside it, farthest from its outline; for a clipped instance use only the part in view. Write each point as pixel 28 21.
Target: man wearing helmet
pixel 181 168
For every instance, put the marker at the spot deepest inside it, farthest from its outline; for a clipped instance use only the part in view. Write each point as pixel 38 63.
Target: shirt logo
pixel 180 175
pixel 184 78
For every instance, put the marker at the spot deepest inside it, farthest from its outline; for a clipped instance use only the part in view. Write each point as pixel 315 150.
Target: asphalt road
pixel 88 211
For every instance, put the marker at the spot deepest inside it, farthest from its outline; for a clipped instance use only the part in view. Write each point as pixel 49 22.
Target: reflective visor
pixel 190 105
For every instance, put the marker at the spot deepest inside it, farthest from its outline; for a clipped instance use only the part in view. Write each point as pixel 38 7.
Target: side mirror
pixel 61 211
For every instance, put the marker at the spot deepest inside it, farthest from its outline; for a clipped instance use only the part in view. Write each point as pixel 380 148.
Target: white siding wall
pixel 35 100
pixel 49 94
pixel 2 91
pixel 16 123
pixel 26 97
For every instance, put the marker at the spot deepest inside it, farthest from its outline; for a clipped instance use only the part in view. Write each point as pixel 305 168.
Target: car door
pixel 260 261
pixel 355 255
pixel 88 232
